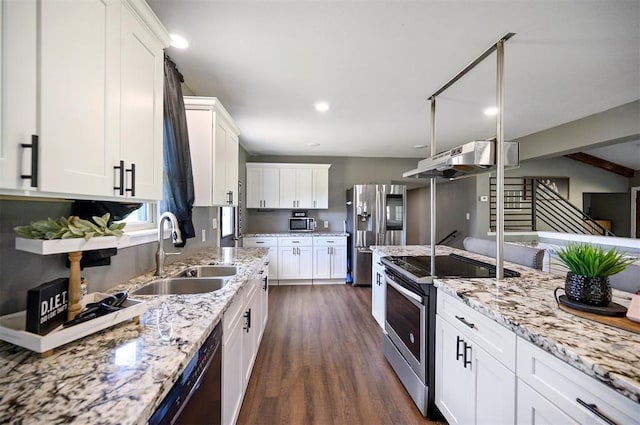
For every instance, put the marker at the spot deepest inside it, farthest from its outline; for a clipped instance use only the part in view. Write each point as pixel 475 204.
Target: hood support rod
pixel 499 48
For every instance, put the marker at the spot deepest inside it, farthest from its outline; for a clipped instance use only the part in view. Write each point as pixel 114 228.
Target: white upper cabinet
pixel 141 107
pixel 18 92
pixel 213 142
pixel 321 187
pixel 263 186
pixel 294 186
pixel 98 68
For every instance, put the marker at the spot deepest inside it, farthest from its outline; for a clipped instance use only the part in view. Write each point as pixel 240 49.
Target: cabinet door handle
pixel 467 349
pixel 120 169
pixel 314 203
pixel 34 146
pixel 458 341
pixel 260 242
pixel 247 316
pixel 132 170
pixel 594 409
pixel 266 283
pixel 463 320
pixel 230 197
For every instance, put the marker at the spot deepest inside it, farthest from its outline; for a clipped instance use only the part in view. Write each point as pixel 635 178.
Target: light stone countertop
pixel 526 306
pixel 119 375
pixel 295 234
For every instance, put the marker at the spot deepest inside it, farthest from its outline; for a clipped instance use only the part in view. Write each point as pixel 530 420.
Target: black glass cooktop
pixel 451 265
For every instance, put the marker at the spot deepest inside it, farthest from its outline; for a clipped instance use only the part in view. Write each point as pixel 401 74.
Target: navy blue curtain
pixel 178 178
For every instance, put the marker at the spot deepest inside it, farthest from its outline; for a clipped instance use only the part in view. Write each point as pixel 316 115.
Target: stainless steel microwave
pixel 302 224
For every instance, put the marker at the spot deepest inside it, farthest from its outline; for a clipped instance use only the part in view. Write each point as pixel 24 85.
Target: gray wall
pixel 343 174
pixel 20 271
pixel 614 125
pixel 611 206
pixel 453 201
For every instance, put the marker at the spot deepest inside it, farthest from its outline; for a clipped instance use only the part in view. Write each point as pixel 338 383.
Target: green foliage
pixel 70 227
pixel 592 261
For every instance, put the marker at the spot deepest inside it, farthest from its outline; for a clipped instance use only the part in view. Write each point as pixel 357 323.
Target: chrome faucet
pixel 176 237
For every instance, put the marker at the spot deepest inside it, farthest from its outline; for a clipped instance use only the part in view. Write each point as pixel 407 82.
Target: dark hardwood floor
pixel 321 362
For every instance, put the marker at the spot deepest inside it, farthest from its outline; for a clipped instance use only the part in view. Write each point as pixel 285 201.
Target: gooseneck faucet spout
pixel 176 237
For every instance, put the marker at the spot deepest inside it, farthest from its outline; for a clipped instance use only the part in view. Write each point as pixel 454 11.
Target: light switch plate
pixel 204 235
pixel 214 223
pixel 326 224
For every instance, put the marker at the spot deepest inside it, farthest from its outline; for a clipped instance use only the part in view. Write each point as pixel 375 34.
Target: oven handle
pixel 404 291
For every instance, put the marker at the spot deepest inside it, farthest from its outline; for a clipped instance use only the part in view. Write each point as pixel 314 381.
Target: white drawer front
pixel 328 241
pixel 494 338
pixel 295 241
pixel 265 242
pixel 563 385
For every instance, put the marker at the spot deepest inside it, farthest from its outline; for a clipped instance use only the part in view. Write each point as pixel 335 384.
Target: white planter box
pixel 12 326
pixel 63 246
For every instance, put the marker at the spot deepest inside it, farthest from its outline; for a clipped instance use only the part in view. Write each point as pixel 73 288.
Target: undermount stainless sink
pixel 182 285
pixel 208 271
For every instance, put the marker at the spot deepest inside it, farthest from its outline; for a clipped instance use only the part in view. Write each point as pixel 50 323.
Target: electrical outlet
pixel 484 198
pixel 326 224
pixel 468 216
pixel 204 235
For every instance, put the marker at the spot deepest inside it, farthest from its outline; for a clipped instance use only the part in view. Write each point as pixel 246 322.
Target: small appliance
pixel 302 224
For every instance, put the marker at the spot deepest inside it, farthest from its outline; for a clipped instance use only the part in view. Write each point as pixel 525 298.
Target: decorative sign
pixel 47 306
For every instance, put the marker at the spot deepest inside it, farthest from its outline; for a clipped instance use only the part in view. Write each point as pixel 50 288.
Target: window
pixel 227 220
pixel 142 218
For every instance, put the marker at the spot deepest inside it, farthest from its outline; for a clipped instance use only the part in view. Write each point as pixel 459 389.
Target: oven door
pixel 406 323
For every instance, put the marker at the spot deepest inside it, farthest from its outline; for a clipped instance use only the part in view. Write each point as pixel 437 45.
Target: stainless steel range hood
pixel 478 156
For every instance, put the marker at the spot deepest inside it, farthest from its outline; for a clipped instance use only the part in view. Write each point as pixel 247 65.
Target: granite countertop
pixel 295 234
pixel 120 375
pixel 526 305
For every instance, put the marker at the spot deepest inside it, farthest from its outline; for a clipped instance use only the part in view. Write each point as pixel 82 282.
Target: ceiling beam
pixel 602 163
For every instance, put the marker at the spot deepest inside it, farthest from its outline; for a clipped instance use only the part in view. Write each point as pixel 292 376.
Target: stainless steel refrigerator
pixel 376 215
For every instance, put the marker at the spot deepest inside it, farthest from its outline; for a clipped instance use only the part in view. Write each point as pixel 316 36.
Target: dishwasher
pixel 195 398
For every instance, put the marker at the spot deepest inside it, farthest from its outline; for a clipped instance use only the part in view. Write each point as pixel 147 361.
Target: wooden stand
pixel 75 293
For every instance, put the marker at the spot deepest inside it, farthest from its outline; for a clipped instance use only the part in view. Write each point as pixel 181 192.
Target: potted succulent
pixel 589 270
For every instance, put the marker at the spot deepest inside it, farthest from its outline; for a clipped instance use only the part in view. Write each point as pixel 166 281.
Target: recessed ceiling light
pixel 313 144
pixel 420 146
pixel 490 112
pixel 178 42
pixel 321 106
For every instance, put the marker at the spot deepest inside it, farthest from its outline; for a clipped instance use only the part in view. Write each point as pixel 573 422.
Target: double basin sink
pixel 192 280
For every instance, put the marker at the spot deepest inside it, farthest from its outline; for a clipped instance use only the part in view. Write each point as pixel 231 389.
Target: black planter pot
pixel 588 290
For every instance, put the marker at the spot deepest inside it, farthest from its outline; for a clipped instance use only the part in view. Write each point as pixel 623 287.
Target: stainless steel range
pixel 409 345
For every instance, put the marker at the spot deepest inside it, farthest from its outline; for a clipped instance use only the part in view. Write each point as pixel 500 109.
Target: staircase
pixel 531 205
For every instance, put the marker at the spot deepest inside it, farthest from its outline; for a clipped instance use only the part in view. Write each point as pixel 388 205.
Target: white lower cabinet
pixel 472 386
pixel 378 290
pixel 295 258
pixel 329 257
pixel 479 365
pixel 552 391
pixel 534 409
pixel 243 327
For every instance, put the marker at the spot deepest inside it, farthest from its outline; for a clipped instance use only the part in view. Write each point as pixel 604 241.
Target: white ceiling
pixel 377 62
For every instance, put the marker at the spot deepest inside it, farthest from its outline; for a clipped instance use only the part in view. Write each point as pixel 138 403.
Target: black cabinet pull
pixel 132 170
pixel 266 283
pixel 34 160
pixel 230 197
pixel 594 409
pixel 247 317
pixel 120 188
pixel 463 320
pixel 458 341
pixel 467 361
